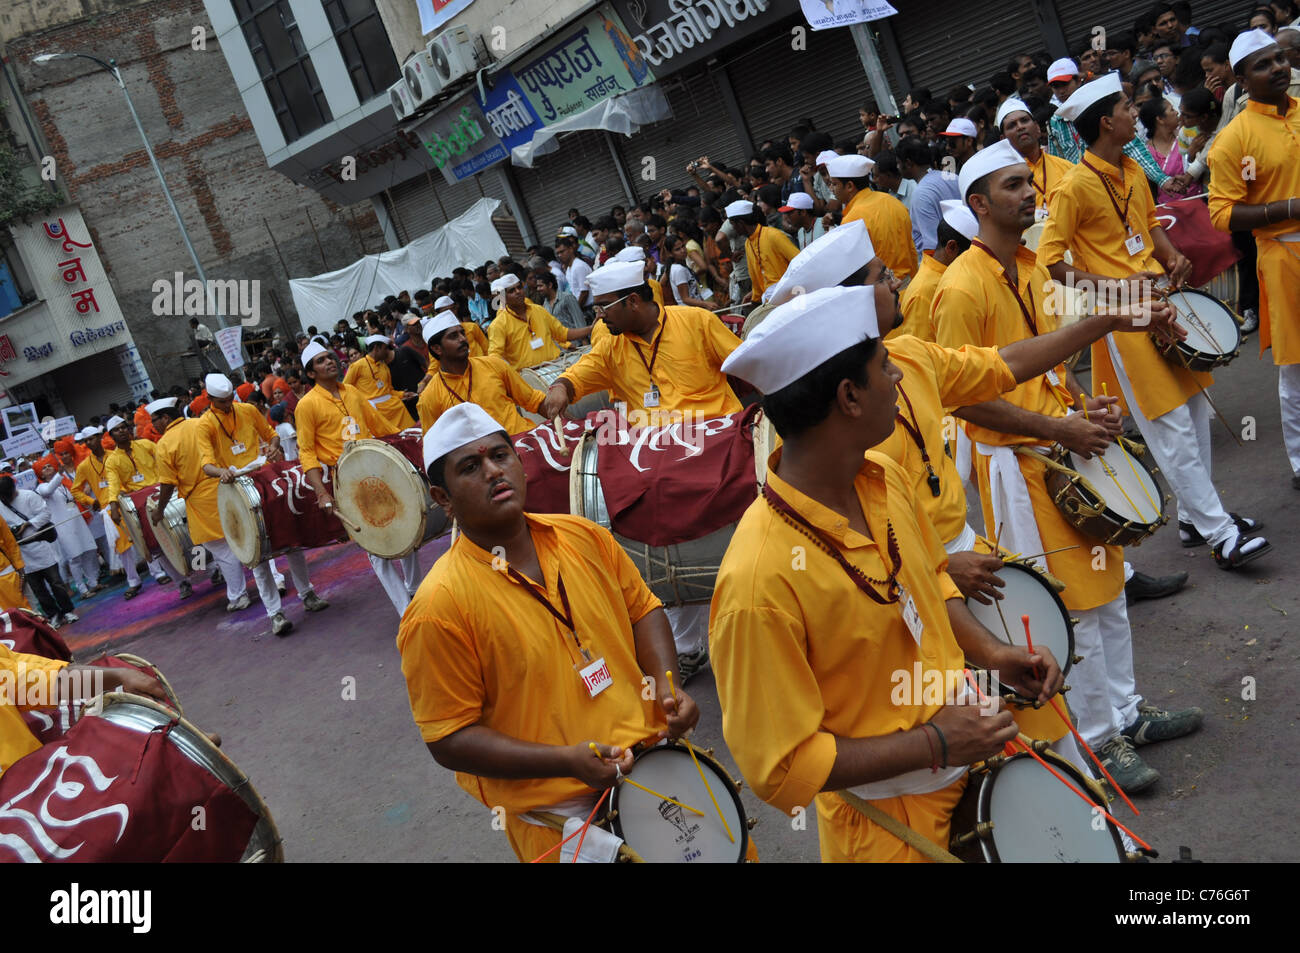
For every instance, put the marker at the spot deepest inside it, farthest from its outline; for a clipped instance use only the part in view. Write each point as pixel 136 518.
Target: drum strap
pixel 900 830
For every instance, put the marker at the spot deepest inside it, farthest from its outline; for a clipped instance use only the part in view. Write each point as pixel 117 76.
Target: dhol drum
pixel 1116 497
pixel 1014 811
pixel 662 832
pixel 139 529
pixel 542 376
pixel 173 535
pixel 384 498
pixel 271 510
pixel 1026 592
pixel 1213 333
pixel 683 573
pixel 128 783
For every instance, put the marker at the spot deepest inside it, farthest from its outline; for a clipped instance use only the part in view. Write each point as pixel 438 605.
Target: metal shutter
pixel 425 203
pixel 88 386
pixel 947 42
pixel 580 175
pixel 1078 17
pixel 777 85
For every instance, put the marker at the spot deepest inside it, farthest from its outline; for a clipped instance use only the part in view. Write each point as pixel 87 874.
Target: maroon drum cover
pixel 546 465
pixel 26 633
pixel 672 484
pixel 141 500
pixel 409 444
pixel 107 792
pixel 289 510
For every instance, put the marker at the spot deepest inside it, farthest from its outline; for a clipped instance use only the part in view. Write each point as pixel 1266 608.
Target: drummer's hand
pixel 974 574
pixel 274 454
pixel 325 501
pixel 599 772
pixel 1142 284
pixel 1034 676
pixel 116 511
pixel 1084 437
pixel 128 680
pixel 557 399
pixel 683 714
pixel 1105 410
pixel 1179 269
pixel 972 733
pixel 1162 320
pixel 230 475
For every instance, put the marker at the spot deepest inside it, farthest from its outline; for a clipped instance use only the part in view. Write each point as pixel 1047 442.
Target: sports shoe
pixel 1129 771
pixel 1250 321
pixel 164 580
pixel 185 589
pixel 70 617
pixel 690 664
pixel 314 603
pixel 1142 586
pixel 217 577
pixel 131 593
pixel 1240 549
pixel 1190 537
pixel 56 622
pixel 1153 724
pixel 282 589
pixel 240 604
pixel 280 625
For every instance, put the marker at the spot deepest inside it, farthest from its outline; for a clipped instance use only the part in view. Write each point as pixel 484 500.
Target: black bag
pixel 46 535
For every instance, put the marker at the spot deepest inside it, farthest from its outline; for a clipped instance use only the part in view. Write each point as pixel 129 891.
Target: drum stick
pixel 559 433
pixel 696 761
pixel 1050 552
pixel 663 797
pixel 1110 472
pixel 541 857
pixel 1097 761
pixel 344 520
pixel 1210 401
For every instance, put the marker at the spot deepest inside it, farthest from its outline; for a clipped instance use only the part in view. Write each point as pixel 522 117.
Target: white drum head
pixel 239 507
pixel 1027 593
pixel 378 490
pixel 173 535
pixel 542 376
pixel 1038 820
pixel 664 833
pixel 131 523
pixel 1210 326
pixel 1123 483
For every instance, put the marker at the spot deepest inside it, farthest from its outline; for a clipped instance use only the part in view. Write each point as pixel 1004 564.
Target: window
pixel 283 65
pixel 16 289
pixel 364 43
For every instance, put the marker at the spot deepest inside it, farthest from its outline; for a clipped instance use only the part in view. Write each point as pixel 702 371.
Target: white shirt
pixel 28 507
pixel 576 274
pixel 204 334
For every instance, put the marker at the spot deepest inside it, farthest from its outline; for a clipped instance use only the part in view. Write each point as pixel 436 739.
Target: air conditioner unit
pixel 452 52
pixel 421 77
pixel 399 94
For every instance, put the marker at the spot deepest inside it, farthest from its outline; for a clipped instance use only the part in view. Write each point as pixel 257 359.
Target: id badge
pixel 103 484
pixel 237 447
pixel 1040 214
pixel 911 617
pixel 137 477
pixel 652 396
pixel 535 343
pixel 350 428
pixel 1053 378
pixel 596 677
pixel 1135 245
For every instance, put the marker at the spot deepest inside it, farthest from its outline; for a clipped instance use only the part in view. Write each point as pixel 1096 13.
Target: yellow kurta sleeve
pixel 593 372
pixel 478 342
pixel 525 396
pixel 498 339
pixel 9 546
pixel 307 419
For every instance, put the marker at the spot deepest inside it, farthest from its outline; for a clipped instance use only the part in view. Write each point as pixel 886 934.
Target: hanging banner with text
pixel 24 442
pixel 230 341
pixel 824 14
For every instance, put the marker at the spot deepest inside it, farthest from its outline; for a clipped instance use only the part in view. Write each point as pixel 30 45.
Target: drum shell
pixel 1011 611
pixel 1183 354
pixel 542 376
pixel 247 535
pixel 1075 502
pixel 395 519
pixel 135 521
pixel 680 574
pixel 173 535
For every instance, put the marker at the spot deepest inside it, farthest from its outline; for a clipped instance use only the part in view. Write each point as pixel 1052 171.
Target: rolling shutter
pixel 580 175
pixel 1078 17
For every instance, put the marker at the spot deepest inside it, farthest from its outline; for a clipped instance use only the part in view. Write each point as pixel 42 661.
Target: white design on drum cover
pixel 66 789
pixel 692 438
pixel 296 487
pixel 543 439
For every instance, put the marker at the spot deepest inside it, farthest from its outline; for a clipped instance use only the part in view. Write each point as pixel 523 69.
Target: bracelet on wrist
pixel 934 756
pixel 943 744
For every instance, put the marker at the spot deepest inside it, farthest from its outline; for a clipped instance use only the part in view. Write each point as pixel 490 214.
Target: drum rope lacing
pixel 860 579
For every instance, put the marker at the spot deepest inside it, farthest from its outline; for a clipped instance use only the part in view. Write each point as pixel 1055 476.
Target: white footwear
pixel 70 617
pixel 240 604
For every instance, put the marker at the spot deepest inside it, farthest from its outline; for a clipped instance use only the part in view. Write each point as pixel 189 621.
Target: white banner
pixel 23 442
pixel 230 341
pixel 824 14
pixel 26 480
pixel 60 427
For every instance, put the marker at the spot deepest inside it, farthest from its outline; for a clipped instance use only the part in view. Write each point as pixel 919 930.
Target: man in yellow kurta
pixel 231 437
pixel 768 250
pixel 178 453
pixel 463 378
pixel 1017 125
pixel 886 218
pixel 130 467
pixel 11 574
pixel 16 739
pixel 954 233
pixel 371 376
pixel 661 362
pixel 329 416
pixel 524 333
pixel 992 296
pixel 527 614
pixel 1265 140
pixel 477 340
pixel 808 652
pixel 1104 215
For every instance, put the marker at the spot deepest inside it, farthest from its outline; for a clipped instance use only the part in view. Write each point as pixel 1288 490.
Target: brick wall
pixel 231 202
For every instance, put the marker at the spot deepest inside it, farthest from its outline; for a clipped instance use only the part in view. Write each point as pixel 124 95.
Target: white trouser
pixel 1180 442
pixel 231 568
pixel 269 590
pixel 276 574
pixel 84 568
pixel 1103 688
pixel 129 559
pixel 690 627
pixel 1288 395
pixel 391 578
